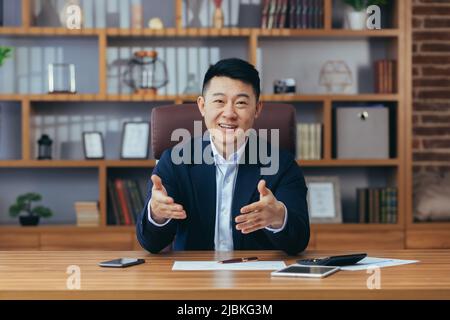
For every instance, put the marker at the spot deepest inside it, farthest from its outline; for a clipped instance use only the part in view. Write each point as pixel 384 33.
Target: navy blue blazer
pixel 194 187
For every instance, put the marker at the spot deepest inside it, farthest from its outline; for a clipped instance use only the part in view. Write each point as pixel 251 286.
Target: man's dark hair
pixel 234 68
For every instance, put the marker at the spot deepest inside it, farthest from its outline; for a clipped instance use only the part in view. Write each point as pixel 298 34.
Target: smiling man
pixel 227 204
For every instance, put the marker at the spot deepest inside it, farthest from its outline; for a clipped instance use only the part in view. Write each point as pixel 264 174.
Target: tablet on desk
pixel 296 270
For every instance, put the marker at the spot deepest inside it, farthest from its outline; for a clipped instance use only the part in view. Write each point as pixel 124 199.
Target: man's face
pixel 229 108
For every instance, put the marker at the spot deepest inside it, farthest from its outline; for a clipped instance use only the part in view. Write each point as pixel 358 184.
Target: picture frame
pixel 93 146
pixel 135 140
pixel 324 199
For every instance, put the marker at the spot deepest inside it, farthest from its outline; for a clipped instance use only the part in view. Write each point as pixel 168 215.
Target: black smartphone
pixel 121 262
pixel 335 261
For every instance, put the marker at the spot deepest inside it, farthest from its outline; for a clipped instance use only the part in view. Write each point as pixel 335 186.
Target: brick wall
pixel 431 85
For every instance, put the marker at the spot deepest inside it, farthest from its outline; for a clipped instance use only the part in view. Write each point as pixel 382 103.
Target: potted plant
pixel 23 204
pixel 356 17
pixel 5 52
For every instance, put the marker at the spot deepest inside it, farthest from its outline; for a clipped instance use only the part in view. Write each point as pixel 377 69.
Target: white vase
pixel 356 20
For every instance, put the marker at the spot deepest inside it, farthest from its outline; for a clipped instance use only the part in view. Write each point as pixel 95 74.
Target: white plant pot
pixel 356 20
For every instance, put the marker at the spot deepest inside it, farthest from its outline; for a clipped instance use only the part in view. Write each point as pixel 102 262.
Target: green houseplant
pixel 357 16
pixel 23 204
pixel 361 5
pixel 5 52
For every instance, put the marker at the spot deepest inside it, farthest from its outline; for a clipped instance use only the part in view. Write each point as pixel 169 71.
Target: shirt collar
pixel 232 159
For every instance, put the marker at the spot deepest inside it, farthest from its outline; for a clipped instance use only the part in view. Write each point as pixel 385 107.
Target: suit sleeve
pixel 292 190
pixel 151 237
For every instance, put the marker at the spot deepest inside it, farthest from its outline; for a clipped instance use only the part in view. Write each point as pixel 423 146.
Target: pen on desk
pixel 237 260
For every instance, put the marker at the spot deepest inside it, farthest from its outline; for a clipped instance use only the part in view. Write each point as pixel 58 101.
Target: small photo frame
pixel 93 145
pixel 135 140
pixel 324 199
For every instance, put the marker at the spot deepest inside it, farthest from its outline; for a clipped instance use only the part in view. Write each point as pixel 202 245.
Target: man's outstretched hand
pixel 162 206
pixel 267 212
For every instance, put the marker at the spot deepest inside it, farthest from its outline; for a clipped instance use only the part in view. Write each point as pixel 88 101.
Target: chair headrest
pixel 165 119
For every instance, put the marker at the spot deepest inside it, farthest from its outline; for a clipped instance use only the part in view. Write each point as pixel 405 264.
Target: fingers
pixel 252 207
pixel 157 182
pixel 251 225
pixel 262 189
pixel 172 214
pixel 168 211
pixel 246 217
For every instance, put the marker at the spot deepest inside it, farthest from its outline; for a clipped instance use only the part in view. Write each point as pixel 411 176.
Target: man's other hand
pixel 162 206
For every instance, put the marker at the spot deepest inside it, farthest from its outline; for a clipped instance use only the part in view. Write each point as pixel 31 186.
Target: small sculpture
pixel 336 76
pixel 218 14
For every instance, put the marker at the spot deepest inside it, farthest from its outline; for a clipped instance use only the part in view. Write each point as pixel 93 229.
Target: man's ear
pixel 259 107
pixel 201 105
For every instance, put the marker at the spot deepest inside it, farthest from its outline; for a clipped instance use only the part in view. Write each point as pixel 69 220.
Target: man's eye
pixel 218 101
pixel 241 103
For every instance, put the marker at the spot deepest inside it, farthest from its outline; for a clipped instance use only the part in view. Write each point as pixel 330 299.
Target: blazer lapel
pixel 203 178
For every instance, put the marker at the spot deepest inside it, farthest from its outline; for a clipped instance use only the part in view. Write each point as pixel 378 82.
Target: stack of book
pixel 87 213
pixel 294 14
pixel 309 141
pixel 385 76
pixel 377 205
pixel 125 202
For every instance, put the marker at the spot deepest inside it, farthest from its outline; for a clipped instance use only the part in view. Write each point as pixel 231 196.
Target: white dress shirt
pixel 226 174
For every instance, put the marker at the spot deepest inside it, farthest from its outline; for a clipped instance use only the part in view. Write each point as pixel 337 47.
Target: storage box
pixel 362 132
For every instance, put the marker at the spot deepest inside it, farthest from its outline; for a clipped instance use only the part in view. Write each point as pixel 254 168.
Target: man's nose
pixel 229 110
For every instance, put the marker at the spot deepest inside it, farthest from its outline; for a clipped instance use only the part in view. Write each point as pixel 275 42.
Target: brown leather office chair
pixel 165 119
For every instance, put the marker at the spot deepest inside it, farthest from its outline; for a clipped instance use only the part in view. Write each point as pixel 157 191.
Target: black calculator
pixel 335 261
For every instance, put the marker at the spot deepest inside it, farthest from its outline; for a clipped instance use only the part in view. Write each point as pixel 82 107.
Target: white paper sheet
pixel 371 262
pixel 214 265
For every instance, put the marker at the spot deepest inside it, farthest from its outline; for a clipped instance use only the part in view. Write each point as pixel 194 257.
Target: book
pixel 113 210
pixel 122 201
pixel 265 14
pixel 87 213
pixel 292 14
pixel 361 199
pixel 283 14
pixel 318 141
pixel 272 14
pixel 376 203
pixel 128 201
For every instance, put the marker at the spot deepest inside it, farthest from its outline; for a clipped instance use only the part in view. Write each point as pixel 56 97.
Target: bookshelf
pixel 256 45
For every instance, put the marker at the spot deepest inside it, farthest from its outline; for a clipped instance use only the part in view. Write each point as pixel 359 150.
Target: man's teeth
pixel 226 126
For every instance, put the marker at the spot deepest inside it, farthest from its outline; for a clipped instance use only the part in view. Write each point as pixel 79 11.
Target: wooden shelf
pixel 349 163
pixel 327 33
pixel 50 163
pixel 77 163
pixel 152 163
pixel 355 227
pixel 332 97
pixel 183 97
pixel 47 31
pixel 63 228
pixel 130 163
pixel 430 225
pixel 198 32
pixel 321 227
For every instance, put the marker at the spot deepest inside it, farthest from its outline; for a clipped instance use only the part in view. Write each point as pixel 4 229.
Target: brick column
pixel 431 85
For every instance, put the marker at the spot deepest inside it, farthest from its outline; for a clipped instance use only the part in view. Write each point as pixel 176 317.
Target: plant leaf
pixel 34 196
pixel 42 212
pixel 15 210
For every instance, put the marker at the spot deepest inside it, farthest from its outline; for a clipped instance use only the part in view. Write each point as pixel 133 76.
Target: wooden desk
pixel 42 275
